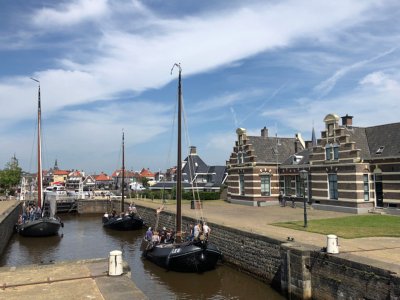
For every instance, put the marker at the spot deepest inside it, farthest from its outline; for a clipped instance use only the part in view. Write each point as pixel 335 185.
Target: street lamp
pixel 304 177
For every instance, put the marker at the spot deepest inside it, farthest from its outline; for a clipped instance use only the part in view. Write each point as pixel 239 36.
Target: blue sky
pixel 105 66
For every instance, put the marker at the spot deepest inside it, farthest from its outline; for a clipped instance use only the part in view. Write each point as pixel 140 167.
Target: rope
pixel 195 190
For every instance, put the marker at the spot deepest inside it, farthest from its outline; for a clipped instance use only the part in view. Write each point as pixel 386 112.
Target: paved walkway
pixel 85 279
pixel 386 251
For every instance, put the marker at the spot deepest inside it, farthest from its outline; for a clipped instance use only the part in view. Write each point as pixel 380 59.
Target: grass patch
pixel 351 227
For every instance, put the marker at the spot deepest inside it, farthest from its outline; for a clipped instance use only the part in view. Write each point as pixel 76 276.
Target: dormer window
pixel 380 150
pixel 330 129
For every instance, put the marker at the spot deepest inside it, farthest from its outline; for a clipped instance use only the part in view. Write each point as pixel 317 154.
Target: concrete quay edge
pixel 67 280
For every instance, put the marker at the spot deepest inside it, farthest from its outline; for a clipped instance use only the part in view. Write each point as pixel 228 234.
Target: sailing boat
pixel 129 221
pixel 181 256
pixel 40 223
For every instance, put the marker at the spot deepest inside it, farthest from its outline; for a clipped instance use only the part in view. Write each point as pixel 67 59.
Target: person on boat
pixel 149 234
pixel 155 238
pixel 196 231
pixel 105 215
pixel 20 220
pixel 206 230
pixel 191 233
pixel 113 213
pixel 38 213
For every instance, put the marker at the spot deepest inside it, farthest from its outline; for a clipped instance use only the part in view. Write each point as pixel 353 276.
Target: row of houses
pixel 348 168
pixel 73 179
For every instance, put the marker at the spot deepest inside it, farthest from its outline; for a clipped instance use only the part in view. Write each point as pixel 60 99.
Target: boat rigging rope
pixel 195 190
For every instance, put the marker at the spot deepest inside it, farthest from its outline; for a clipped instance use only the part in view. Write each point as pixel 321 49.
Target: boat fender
pixel 62 224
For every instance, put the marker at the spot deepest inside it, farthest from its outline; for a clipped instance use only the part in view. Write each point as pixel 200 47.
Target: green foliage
pixel 145 182
pixel 352 227
pixel 10 177
pixel 168 195
pixel 202 195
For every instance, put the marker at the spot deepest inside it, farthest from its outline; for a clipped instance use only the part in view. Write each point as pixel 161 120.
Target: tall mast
pixel 39 152
pixel 123 173
pixel 179 161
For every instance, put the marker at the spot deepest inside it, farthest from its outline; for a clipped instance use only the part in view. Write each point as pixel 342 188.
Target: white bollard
pixel 115 263
pixel 332 244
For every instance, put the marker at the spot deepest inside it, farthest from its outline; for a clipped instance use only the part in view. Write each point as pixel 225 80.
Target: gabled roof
pixel 128 174
pixel 386 136
pixel 103 177
pixel 193 164
pixel 60 172
pixel 75 174
pixel 146 173
pixel 273 149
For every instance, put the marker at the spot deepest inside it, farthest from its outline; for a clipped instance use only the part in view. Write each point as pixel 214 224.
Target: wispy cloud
pixel 327 85
pixel 71 13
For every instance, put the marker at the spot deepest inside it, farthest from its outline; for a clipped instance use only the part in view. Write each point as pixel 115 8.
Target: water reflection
pixel 84 238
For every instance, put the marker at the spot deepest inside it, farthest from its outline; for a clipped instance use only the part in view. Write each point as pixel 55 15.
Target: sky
pixel 105 67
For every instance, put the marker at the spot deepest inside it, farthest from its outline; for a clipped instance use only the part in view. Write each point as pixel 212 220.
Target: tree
pixel 145 182
pixel 10 177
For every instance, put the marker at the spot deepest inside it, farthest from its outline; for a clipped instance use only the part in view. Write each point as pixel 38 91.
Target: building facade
pixel 253 166
pixel 350 169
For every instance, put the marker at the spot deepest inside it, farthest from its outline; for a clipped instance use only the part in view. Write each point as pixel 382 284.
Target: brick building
pixel 352 169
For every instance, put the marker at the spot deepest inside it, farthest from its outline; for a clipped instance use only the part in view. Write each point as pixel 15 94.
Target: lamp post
pixel 304 177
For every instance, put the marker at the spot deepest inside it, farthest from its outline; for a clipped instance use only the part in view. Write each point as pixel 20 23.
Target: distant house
pixel 103 181
pixel 74 179
pixel 147 174
pixel 196 174
pixel 89 183
pixel 129 177
pixel 60 176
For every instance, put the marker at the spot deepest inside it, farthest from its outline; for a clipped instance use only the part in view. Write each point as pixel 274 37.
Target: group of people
pixel 195 232
pixel 130 212
pixel 30 213
pixel 160 236
pixel 200 231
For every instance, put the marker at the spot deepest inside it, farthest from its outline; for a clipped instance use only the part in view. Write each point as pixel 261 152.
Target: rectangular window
pixel 290 184
pixel 241 184
pixel 366 187
pixel 328 154
pixel 335 152
pixel 265 185
pixel 333 187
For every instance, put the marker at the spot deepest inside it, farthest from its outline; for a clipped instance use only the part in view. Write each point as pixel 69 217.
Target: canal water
pixel 85 238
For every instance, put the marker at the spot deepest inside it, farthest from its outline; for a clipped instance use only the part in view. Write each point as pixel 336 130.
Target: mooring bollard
pixel 115 263
pixel 332 244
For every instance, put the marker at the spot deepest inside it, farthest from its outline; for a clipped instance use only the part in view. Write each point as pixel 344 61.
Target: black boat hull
pixel 123 223
pixel 184 257
pixel 40 227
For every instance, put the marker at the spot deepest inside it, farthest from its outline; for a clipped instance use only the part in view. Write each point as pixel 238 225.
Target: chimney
pixel 193 150
pixel 264 132
pixel 347 120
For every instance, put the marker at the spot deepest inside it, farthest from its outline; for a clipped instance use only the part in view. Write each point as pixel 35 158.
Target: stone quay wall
pixel 8 219
pixel 298 271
